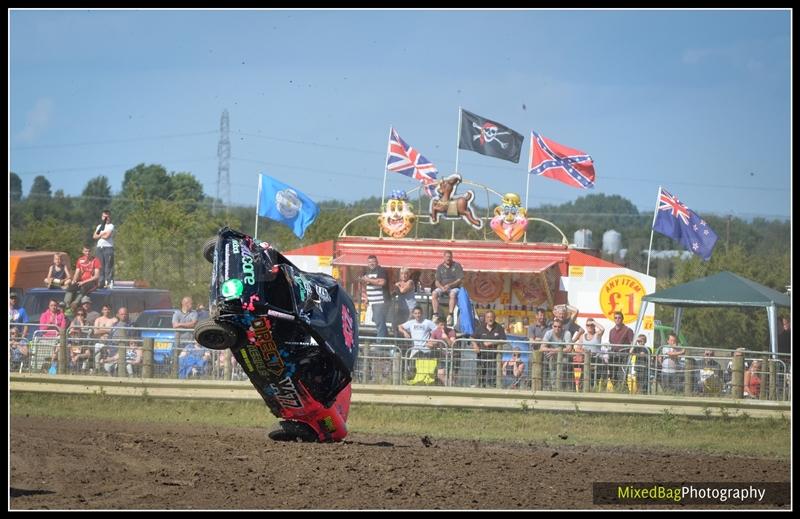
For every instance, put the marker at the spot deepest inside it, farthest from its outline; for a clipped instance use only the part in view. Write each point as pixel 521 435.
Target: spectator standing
pixel 539 327
pixel 513 370
pixel 185 319
pixel 419 329
pixel 636 372
pixel 555 339
pixel 567 314
pixel 591 344
pixel 376 281
pixel 442 334
pixel 51 319
pixel 193 361
pixel 104 323
pixel 493 333
pixel 119 333
pixel 58 275
pixel 77 333
pixel 133 358
pixel 104 234
pixel 18 353
pixel 449 276
pixel 621 338
pixel 670 364
pixel 709 376
pixel 785 338
pixel 87 274
pixel 752 380
pixel 17 314
pixel 202 313
pixel 91 315
pixel 405 290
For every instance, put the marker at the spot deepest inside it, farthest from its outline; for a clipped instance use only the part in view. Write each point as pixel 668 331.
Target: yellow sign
pixel 621 294
pixel 648 322
pixel 325 261
pixel 576 271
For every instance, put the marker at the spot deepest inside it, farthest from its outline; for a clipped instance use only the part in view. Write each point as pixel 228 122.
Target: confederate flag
pixel 551 159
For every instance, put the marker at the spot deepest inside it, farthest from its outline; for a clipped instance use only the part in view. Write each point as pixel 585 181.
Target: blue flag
pixel 677 221
pixel 284 204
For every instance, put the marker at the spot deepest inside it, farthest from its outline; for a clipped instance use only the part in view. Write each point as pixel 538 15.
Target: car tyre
pixel 216 336
pixel 208 249
pixel 291 431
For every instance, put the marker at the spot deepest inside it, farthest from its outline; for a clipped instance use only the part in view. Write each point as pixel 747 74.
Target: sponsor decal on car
pixel 266 345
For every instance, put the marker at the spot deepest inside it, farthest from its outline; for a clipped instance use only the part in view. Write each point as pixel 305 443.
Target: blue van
pixel 136 300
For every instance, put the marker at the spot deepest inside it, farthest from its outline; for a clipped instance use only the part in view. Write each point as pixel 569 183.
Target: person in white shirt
pixel 104 234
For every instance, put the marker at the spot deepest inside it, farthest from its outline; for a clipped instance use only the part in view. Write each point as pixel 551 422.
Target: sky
pixel 696 101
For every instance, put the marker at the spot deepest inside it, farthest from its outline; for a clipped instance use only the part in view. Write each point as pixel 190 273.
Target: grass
pixel 768 437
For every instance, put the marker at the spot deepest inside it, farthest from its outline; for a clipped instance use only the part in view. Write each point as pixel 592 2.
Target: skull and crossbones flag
pixel 489 138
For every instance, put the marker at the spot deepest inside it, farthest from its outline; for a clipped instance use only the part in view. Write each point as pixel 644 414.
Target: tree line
pixel 163 218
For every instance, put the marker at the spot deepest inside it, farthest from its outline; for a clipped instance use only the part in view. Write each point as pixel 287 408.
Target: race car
pixel 294 333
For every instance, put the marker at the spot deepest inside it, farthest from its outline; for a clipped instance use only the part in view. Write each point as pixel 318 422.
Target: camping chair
pixel 425 372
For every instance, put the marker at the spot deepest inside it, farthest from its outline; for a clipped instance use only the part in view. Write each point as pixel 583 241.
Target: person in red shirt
pixel 87 274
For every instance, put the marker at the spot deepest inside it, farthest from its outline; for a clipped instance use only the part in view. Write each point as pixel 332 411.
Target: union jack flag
pixel 551 159
pixel 680 223
pixel 404 159
pixel 667 202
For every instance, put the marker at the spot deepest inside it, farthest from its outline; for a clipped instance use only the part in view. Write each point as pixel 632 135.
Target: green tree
pixel 40 188
pixel 160 242
pixel 15 187
pixel 95 198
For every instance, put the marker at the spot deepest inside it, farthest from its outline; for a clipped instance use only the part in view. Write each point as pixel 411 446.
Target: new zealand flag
pixel 677 221
pixel 489 138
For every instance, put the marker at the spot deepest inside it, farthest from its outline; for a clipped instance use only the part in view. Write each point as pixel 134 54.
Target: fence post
pixel 227 367
pixel 536 371
pixel 122 350
pixel 61 369
pixel 688 373
pixel 587 371
pixel 397 367
pixel 737 378
pixel 498 369
pixel 762 391
pixel 173 365
pixel 773 379
pixel 559 369
pixel 147 357
pixel 365 363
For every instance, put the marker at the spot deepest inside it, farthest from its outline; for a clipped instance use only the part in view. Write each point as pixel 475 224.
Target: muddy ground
pixel 82 464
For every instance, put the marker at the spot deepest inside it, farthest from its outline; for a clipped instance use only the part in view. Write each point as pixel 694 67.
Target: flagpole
pixel 386 166
pixel 527 187
pixel 385 171
pixel 258 206
pixel 650 248
pixel 458 137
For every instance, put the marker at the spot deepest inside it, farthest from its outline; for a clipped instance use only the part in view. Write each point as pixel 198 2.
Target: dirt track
pixel 78 464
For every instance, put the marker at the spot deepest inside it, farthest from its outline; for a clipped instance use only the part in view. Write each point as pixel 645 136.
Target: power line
pixel 113 141
pixel 109 166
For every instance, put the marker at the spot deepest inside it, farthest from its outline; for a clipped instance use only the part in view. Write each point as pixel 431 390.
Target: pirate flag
pixel 489 138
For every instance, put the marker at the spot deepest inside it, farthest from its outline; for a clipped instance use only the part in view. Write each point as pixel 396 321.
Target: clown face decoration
pixel 397 218
pixel 510 219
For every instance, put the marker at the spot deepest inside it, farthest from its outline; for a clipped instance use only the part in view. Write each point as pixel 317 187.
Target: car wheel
pixel 216 336
pixel 208 249
pixel 291 431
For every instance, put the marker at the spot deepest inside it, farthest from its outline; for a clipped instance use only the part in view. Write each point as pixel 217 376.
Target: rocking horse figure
pixel 453 206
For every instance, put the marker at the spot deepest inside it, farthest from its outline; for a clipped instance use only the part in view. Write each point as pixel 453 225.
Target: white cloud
pixel 37 119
